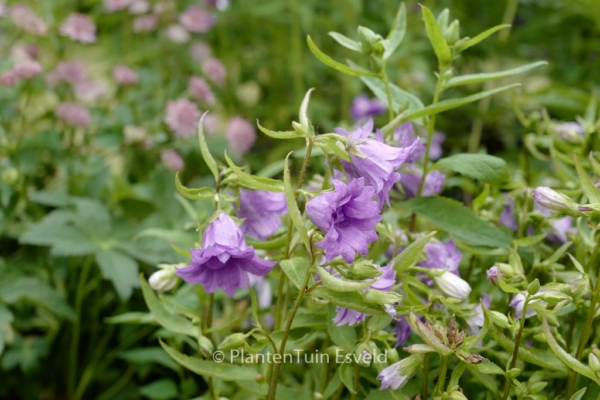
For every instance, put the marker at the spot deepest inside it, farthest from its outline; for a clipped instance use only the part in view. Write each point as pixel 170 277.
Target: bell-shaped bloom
pixel 201 90
pixel 434 182
pixel 241 135
pixel 397 375
pixel 554 201
pixel 402 329
pixel 347 216
pixel 225 260
pixel 363 107
pixel 518 303
pixel 374 160
pixel 182 117
pixel 453 285
pixel 508 218
pixel 196 19
pixel 261 212
pixel 441 255
pixel 476 321
pixel 74 114
pixel 79 27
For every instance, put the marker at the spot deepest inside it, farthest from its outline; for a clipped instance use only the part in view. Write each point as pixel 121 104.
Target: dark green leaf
pixel 437 39
pixel 483 167
pixel 279 135
pixel 396 34
pixel 295 269
pixel 164 389
pixel 489 76
pixel 121 269
pixel 325 59
pixel 351 300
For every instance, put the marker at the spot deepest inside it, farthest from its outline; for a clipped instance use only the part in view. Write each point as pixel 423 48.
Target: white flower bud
pixel 453 285
pixel 164 279
pixel 552 200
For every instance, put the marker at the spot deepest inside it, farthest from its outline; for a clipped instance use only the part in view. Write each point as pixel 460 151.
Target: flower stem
pixel 425 378
pixel 442 377
pixel 356 379
pixel 513 361
pixel 388 91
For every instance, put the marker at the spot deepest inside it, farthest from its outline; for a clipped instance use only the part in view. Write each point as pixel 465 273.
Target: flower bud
pixel 233 341
pixel 457 395
pixel 206 346
pixel 419 348
pixel 533 287
pixel 570 132
pixel 364 354
pixel 499 319
pixel 392 356
pixel 164 279
pixel 594 363
pixel 492 275
pixel 453 285
pixel 552 200
pixel 364 269
pixel 368 38
pixel 452 34
pixel 553 296
pixel 378 297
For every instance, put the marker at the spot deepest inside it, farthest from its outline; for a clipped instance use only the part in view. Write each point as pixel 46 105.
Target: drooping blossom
pixel 508 218
pixel 477 320
pixel 139 7
pixel 182 116
pixel 74 114
pixel 434 182
pixel 201 90
pixel 397 375
pixel 402 329
pixel 172 160
pixel 518 303
pixel 196 19
pixel 25 19
pixel 378 162
pixel 145 23
pixel 9 78
pixel 364 107
pixel 453 285
pixel 405 134
pixel 115 5
pixel 214 70
pixel 492 275
pixel 177 34
pixel 124 75
pixel 79 27
pixel 200 51
pixel 27 69
pixel 225 260
pixel 347 216
pixel 261 212
pixel 90 90
pixel 240 134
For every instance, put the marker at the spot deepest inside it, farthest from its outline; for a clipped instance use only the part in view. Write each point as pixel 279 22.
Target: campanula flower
pixel 261 212
pixel 363 107
pixel 434 182
pixel 397 375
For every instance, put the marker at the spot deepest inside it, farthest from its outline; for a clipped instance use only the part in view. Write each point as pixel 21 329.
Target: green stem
pixel 442 377
pixel 425 378
pixel 513 361
pixel 388 92
pixel 356 379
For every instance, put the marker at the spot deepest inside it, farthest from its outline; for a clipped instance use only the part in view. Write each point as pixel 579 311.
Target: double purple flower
pixel 225 260
pixel 261 212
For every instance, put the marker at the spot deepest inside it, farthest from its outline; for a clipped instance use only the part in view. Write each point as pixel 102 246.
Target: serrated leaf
pixel 325 59
pixel 410 255
pixel 279 135
pixel 252 181
pixel 208 158
pixel 351 300
pixel 295 269
pixel 193 194
pixel 590 190
pixel 293 210
pixel 223 371
pixel 346 41
pixel 436 38
pixel 340 284
pixel 483 167
pixel 119 268
pixel 490 76
pixel 459 221
pixel 482 36
pixel 396 34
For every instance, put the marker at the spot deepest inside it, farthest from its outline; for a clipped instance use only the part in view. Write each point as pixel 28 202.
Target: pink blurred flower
pixel 90 90
pixel 74 114
pixel 212 124
pixel 240 135
pixel 9 78
pixel 115 5
pixel 182 117
pixel 139 7
pixel 200 51
pixel 72 72
pixel 215 70
pixel 124 75
pixel 201 90
pixel 196 19
pixel 79 27
pixel 145 23
pixel 178 34
pixel 28 69
pixel 19 52
pixel 172 160
pixel 25 19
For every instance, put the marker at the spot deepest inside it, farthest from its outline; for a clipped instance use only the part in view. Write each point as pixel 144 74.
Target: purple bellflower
pixel 363 107
pixel 261 211
pixel 405 134
pixel 434 183
pixel 441 255
pixel 225 260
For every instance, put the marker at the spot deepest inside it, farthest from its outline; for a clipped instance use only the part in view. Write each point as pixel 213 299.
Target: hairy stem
pixel 515 354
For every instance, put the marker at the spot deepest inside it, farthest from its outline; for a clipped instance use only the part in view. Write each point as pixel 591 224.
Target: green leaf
pixel 34 291
pixel 343 336
pixel 208 158
pixel 482 36
pixel 437 39
pixel 410 255
pixel 579 394
pixel 428 336
pixel 565 357
pixel 346 41
pixel 133 317
pixel 442 106
pixel 330 145
pixel 325 59
pixel 506 288
pixel 164 389
pixel 396 34
pixel 351 300
pixel 293 206
pixel 171 322
pixel 279 135
pixel 490 76
pixel 121 269
pixel 347 376
pixel 252 181
pixel 340 284
pixel 223 371
pixel 193 194
pixel 275 243
pixel 295 269
pixel 303 113
pixel 483 167
pixel 590 190
pixel 489 368
pixel 457 373
pixel 149 355
pixel 64 240
pixel 459 221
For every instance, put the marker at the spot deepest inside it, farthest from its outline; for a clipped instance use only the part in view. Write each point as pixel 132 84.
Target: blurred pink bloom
pixel 90 90
pixel 79 27
pixel 215 70
pixel 177 34
pixel 201 90
pixel 196 19
pixel 200 51
pixel 33 51
pixel 182 117
pixel 72 72
pixel 19 52
pixel 115 5
pixel 172 160
pixel 212 124
pixel 28 69
pixel 25 19
pixel 9 78
pixel 74 114
pixel 139 7
pixel 145 23
pixel 240 135
pixel 124 75
pixel 3 9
